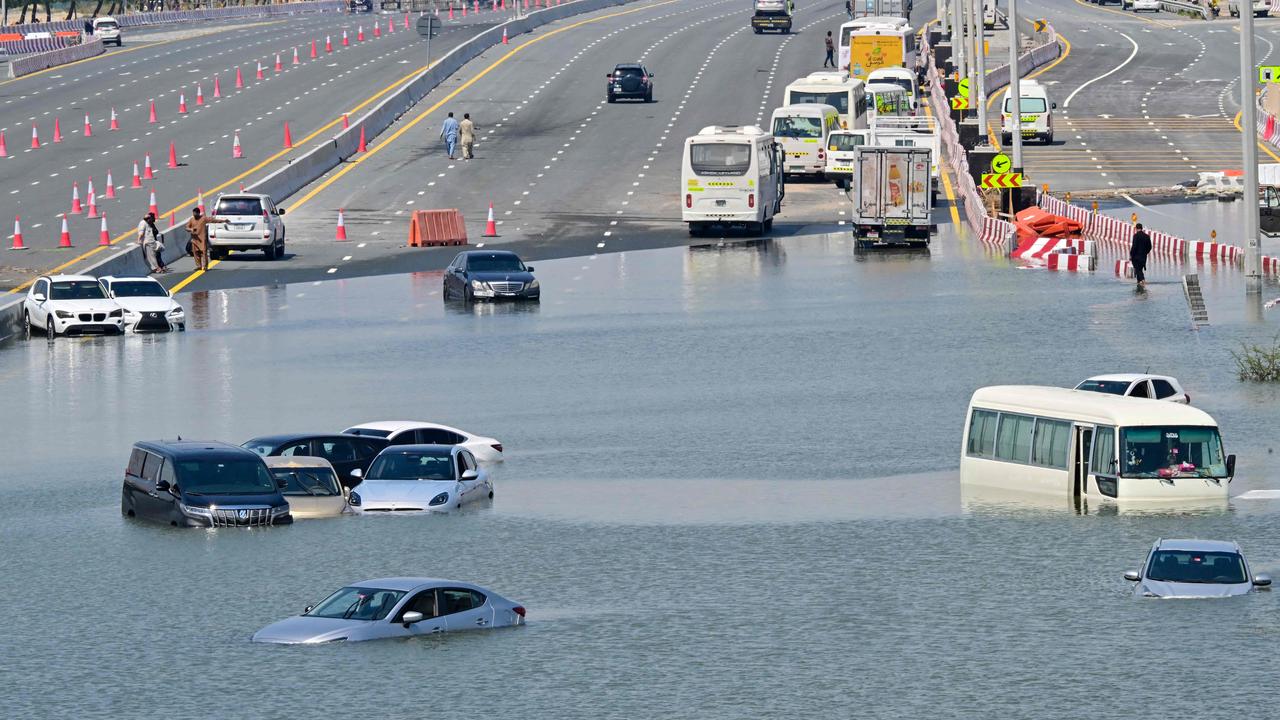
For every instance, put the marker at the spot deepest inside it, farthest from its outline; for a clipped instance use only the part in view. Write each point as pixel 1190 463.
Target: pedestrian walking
pixel 1138 253
pixel 848 8
pixel 198 227
pixel 831 51
pixel 152 243
pixel 449 133
pixel 467 131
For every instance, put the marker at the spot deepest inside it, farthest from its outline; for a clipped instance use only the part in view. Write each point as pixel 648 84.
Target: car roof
pixel 412 583
pixel 1198 545
pixel 196 449
pixel 798 108
pixel 1127 377
pixel 295 437
pixel 128 278
pixel 891 72
pixel 395 426
pixel 628 66
pixel 416 449
pixel 64 278
pixel 490 253
pixel 1086 405
pixel 275 461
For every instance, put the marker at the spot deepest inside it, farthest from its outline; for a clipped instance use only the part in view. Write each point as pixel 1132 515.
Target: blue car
pixel 490 275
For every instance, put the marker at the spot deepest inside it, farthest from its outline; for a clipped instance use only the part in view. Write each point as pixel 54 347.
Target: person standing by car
pixel 198 227
pixel 449 133
pixel 152 244
pixel 831 51
pixel 1138 252
pixel 467 131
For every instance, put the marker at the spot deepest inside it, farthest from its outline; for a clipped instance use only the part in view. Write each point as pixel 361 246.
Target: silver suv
pixel 253 223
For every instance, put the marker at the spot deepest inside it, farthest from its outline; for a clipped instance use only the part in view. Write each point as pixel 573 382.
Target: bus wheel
pixel 768 225
pixel 755 228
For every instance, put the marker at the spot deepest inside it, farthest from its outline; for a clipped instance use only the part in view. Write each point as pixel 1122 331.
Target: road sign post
pixel 1268 74
pixel 1015 87
pixel 1249 123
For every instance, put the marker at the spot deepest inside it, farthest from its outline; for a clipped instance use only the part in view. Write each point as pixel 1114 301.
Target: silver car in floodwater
pixel 1194 569
pixel 399 607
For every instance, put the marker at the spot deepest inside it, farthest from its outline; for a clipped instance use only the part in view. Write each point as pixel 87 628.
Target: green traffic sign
pixel 1268 73
pixel 1001 163
pixel 964 87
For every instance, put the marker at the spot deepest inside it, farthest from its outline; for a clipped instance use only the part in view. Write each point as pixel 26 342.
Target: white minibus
pixel 886 100
pixel 1036 116
pixel 802 131
pixel 845 94
pixel 902 77
pixel 732 176
pixel 1082 444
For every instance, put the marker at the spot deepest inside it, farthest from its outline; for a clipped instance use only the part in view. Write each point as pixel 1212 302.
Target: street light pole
pixel 1248 121
pixel 979 88
pixel 1015 87
pixel 957 37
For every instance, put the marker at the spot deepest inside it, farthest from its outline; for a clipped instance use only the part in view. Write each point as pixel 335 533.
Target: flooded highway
pixel 730 490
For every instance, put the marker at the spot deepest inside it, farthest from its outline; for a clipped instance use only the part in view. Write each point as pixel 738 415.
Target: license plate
pixel 721 203
pixel 239 228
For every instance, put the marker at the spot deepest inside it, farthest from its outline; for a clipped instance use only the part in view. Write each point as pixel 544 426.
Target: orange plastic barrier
pixel 11 37
pixel 428 228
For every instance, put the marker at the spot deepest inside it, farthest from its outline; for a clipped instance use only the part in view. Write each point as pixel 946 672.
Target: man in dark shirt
pixel 1138 253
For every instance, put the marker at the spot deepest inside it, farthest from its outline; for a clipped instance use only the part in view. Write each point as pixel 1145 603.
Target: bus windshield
pixel 797 127
pixel 1168 452
pixel 720 158
pixel 838 100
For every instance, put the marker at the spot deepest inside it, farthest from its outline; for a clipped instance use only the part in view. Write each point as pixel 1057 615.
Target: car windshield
pixel 1187 566
pixel 138 288
pixel 838 99
pixel 1029 105
pixel 494 263
pixel 238 206
pixel 261 448
pixel 312 481
pixel 224 477
pixel 76 290
pixel 358 603
pixel 844 142
pixel 1111 387
pixel 797 127
pixel 720 158
pixel 367 432
pixel 413 466
pixel 1169 452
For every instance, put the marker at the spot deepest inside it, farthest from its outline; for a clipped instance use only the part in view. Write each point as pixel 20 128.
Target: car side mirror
pixel 346 492
pixel 528 268
pixel 282 483
pixel 1261 580
pixel 1132 576
pixel 308 609
pixel 1231 466
pixel 279 211
pixel 162 486
pixel 38 297
pixel 608 77
pixel 411 617
pixel 652 76
pixel 470 474
pixel 356 473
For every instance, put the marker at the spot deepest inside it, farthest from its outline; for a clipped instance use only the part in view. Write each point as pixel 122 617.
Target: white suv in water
pixel 253 223
pixel 70 305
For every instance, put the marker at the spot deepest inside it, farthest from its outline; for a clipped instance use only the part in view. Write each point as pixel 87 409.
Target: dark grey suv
pixel 629 80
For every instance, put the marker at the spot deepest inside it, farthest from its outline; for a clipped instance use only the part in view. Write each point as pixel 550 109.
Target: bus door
pixel 1082 449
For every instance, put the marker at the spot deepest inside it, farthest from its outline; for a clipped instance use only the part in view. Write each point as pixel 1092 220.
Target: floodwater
pixel 730 492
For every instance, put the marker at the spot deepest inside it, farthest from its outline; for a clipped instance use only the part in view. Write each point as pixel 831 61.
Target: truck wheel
pixel 768 225
pixel 758 30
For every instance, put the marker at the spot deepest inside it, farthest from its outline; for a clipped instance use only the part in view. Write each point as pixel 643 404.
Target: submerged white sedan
pixel 417 432
pixel 148 306
pixel 1194 569
pixel 421 478
pixel 398 607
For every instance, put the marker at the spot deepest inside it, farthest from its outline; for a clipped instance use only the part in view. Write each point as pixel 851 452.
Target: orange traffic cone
pixel 362 147
pixel 259 76
pixel 450 10
pixel 35 138
pixel 104 237
pixel 76 207
pixel 490 227
pixel 295 55
pixel 17 234
pixel 345 41
pixel 288 138
pixel 93 201
pixel 239 79
pixel 57 131
pixel 152 117
pixel 377 30
pixel 151 205
pixel 173 156
pixel 391 25
pixel 199 95
pixel 328 44
pixel 345 125
pixel 110 194
pixel 182 104
pixel 236 151
pixel 279 65
pixel 88 130
pixel 217 87
pixel 115 124
pixel 504 36
pixel 342 227
pixel 137 179
pixel 200 200
pixel 147 173
pixel 64 239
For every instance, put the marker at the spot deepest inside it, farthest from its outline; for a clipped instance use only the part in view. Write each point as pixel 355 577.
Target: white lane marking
pixel 1067 103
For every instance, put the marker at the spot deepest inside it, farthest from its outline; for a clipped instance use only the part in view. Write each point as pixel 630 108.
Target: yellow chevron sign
pixel 959 103
pixel 1002 180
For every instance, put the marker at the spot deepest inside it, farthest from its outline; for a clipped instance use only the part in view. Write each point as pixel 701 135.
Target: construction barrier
pixel 433 228
pixel 1038 56
pixel 176 16
pixel 42 61
pixel 1071 262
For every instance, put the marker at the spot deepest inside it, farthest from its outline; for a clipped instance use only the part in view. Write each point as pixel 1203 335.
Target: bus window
pixel 720 158
pixel 837 100
pixel 797 127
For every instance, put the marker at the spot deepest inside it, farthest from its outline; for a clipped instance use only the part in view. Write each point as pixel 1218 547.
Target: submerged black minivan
pixel 201 484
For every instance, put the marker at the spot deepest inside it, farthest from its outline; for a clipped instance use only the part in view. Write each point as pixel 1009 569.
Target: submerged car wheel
pixel 490 494
pixel 50 330
pixel 26 324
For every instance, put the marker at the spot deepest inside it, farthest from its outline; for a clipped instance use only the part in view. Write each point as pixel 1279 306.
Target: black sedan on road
pixel 347 453
pixel 490 275
pixel 629 80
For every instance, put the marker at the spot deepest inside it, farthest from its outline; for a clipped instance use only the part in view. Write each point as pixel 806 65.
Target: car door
pixel 154 504
pixel 1163 390
pixel 464 609
pixel 455 276
pixel 475 488
pixel 36 308
pixel 341 454
pixel 135 489
pixel 426 603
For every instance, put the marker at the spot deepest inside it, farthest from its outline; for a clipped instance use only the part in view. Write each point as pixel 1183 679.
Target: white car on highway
pixel 1261 8
pixel 421 478
pixel 70 305
pixel 148 306
pixel 1156 387
pixel 413 432
pixel 107 29
pixel 253 223
pixel 1143 5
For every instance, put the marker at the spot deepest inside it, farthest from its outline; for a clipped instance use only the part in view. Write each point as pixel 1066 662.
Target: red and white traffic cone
pixel 217 87
pixel 288 138
pixel 345 41
pixel 76 207
pixel 279 65
pixel 4 151
pixel 147 173
pixel 182 104
pixel 57 131
pixel 391 25
pixel 450 10
pixel 88 129
pixel 328 44
pixel 110 194
pixel 64 238
pixel 104 237
pixel 236 151
pixel 342 227
pixel 199 95
pixel 239 79
pixel 259 76
pixel 313 49
pixel 136 182
pixel 152 117
pixel 377 30
pixel 35 138
pixel 359 33
pixel 504 36
pixel 490 227
pixel 363 147
pixel 93 201
pixel 151 204
pixel 345 123
pixel 406 21
pixel 200 200
pixel 115 123
pixel 173 218
pixel 475 8
pixel 295 56
pixel 17 234
pixel 464 8
pixel 173 156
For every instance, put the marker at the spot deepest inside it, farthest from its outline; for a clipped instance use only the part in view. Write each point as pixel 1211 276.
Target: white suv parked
pixel 253 223
pixel 70 305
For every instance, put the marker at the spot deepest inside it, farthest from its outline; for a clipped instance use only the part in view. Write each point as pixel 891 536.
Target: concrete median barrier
pixel 45 60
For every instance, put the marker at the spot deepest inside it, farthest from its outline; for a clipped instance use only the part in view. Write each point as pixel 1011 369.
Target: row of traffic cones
pixel 64 237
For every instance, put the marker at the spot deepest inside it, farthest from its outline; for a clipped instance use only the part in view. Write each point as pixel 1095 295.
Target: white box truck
pixel 892 204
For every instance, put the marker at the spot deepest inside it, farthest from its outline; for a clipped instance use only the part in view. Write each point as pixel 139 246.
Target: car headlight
pixel 116 313
pixel 534 285
pixel 63 314
pixel 130 313
pixel 176 311
pixel 354 499
pixel 477 285
pixel 195 510
pixel 440 499
pixel 279 510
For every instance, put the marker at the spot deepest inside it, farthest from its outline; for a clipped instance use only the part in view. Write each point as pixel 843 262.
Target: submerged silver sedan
pixel 1194 569
pixel 398 607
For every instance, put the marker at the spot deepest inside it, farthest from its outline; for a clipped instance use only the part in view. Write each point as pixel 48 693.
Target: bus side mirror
pixel 1231 466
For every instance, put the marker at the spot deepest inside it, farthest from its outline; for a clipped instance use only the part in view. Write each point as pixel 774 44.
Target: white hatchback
pixel 70 305
pixel 1144 5
pixel 1156 387
pixel 148 306
pixel 413 432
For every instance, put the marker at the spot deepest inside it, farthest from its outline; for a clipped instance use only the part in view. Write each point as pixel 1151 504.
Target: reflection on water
pixel 992 501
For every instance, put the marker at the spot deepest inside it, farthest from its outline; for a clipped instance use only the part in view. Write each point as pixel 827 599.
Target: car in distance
pixel 70 305
pixel 1143 5
pixel 1155 387
pixel 399 607
pixel 148 306
pixel 201 484
pixel 1194 569
pixel 629 80
pixel 253 223
pixel 490 275
pixel 107 29
pixel 309 485
pixel 349 455
pixel 421 478
pixel 413 432
pixel 1261 8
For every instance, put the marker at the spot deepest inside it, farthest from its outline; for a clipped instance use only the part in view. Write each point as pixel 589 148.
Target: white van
pixel 842 147
pixel 731 176
pixel 1081 444
pixel 802 131
pixel 1036 114
pixel 886 99
pixel 845 94
pixel 901 77
pixel 107 29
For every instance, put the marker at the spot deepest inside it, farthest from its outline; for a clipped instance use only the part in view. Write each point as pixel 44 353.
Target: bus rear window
pixel 837 100
pixel 720 158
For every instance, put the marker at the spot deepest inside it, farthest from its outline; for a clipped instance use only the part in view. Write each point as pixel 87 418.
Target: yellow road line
pixel 946 183
pixel 1261 144
pixel 187 280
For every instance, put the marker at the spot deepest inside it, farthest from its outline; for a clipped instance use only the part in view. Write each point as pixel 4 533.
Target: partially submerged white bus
pixel 732 176
pixel 1075 443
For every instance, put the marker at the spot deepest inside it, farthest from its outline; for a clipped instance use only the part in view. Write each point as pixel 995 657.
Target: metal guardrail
pixel 1176 6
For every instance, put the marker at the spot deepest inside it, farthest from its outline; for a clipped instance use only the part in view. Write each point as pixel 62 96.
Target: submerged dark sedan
pixel 490 275
pixel 350 455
